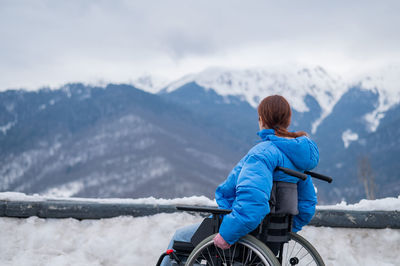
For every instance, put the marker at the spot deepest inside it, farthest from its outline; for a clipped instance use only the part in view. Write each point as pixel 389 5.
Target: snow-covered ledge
pixel 382 213
pixel 19 205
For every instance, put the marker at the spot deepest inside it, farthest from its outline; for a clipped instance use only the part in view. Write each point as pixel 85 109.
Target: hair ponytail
pixel 275 113
pixel 282 132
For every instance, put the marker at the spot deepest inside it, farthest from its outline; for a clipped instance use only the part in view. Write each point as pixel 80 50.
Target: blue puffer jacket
pixel 247 189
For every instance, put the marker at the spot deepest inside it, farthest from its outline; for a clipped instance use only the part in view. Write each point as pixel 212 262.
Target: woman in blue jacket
pixel 247 189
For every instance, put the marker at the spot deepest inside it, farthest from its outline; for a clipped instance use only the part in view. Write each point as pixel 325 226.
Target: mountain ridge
pixel 120 141
pixel 295 83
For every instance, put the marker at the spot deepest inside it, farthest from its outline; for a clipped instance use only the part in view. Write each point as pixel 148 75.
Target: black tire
pixel 299 251
pixel 247 251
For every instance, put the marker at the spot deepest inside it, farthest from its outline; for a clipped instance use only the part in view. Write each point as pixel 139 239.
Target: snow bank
pixel 386 204
pixel 194 200
pixel 117 241
pixel 342 246
pixel 140 241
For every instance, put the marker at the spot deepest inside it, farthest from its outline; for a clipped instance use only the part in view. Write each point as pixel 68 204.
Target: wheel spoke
pixel 292 250
pixel 305 255
pixel 209 254
pixel 251 262
pixel 298 251
pixel 243 255
pixel 233 253
pixel 247 251
pixel 312 260
pixel 284 254
pixel 219 254
pixel 223 252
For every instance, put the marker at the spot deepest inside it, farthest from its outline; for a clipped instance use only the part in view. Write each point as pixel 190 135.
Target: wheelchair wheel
pixel 247 251
pixel 299 251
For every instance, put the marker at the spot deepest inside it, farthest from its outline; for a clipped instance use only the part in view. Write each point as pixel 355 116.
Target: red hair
pixel 274 112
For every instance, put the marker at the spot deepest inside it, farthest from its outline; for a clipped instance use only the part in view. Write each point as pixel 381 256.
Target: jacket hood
pixel 301 151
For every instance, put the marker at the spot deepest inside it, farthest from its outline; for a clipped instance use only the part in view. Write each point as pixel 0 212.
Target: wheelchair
pixel 271 243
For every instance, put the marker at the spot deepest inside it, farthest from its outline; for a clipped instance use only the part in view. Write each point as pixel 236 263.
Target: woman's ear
pixel 260 123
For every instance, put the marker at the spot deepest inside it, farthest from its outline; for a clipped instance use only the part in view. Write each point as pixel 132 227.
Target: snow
pixel 342 246
pixel 66 190
pixel 7 127
pixel 67 90
pixel 385 204
pixel 348 136
pixel 209 159
pixel 13 167
pixel 296 82
pixel 150 83
pixel 384 82
pixel 254 84
pixel 194 200
pixel 116 241
pixel 140 241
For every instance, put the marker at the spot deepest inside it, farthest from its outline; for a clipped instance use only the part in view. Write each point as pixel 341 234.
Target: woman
pixel 247 189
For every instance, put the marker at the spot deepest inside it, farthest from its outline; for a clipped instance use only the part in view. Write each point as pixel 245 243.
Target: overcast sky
pixel 48 43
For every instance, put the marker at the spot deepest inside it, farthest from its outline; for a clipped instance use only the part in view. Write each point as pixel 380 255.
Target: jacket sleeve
pixel 307 200
pixel 226 192
pixel 313 155
pixel 253 189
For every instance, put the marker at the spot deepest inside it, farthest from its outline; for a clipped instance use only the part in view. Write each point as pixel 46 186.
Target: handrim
pixel 254 245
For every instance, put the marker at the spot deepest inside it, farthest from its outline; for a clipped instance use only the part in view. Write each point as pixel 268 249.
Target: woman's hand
pixel 220 242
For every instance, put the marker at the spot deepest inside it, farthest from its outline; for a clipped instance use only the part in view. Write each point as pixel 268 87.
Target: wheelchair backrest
pixel 278 223
pixel 283 198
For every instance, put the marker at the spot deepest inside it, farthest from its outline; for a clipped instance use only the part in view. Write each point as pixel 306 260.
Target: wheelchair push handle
pixel 303 176
pixel 292 172
pixel 319 176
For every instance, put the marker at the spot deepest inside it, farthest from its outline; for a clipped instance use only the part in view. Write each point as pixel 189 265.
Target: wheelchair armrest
pixel 183 247
pixel 213 210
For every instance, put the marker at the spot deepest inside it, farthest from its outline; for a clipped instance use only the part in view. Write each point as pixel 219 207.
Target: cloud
pixel 52 42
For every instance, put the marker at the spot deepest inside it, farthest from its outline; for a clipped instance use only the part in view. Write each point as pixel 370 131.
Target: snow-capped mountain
pixel 150 83
pixel 344 116
pixel 296 84
pixel 118 141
